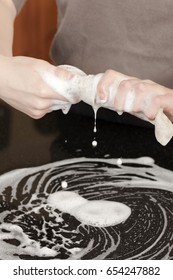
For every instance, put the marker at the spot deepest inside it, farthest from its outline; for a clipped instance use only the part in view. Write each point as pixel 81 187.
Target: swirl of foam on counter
pixel 109 209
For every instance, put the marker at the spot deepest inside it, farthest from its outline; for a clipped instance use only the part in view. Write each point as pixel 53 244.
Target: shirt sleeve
pixel 18 4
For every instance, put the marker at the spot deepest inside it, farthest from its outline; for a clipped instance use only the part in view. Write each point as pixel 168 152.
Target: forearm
pixel 7 17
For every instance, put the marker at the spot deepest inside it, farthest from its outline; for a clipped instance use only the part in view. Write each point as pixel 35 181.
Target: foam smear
pixel 87 209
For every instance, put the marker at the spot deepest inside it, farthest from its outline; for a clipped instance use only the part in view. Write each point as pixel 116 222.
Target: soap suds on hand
pixel 84 87
pixel 128 106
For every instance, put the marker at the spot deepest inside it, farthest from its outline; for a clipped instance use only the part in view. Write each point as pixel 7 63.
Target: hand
pixel 23 85
pixel 133 95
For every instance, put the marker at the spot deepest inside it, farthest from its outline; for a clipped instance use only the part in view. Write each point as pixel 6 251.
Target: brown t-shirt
pixel 131 36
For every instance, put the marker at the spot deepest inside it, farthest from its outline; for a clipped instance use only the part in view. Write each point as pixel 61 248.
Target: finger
pixel 138 96
pixel 152 109
pixel 125 95
pixel 148 100
pixel 109 78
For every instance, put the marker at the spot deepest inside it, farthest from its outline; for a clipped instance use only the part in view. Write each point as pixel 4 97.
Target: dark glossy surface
pixel 25 142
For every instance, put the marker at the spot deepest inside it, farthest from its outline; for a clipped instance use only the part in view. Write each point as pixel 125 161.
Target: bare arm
pixel 7 17
pixel 21 82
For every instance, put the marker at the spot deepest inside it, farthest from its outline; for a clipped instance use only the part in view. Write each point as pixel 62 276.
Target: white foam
pixel 99 213
pixel 102 213
pixel 65 201
pixel 129 101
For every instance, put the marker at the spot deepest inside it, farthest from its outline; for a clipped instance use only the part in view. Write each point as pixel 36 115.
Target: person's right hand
pixel 22 85
pixel 134 95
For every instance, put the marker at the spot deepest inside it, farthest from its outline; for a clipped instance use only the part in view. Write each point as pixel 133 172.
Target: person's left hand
pixel 134 95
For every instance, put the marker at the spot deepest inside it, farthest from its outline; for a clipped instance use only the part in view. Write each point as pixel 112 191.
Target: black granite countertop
pixel 25 142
